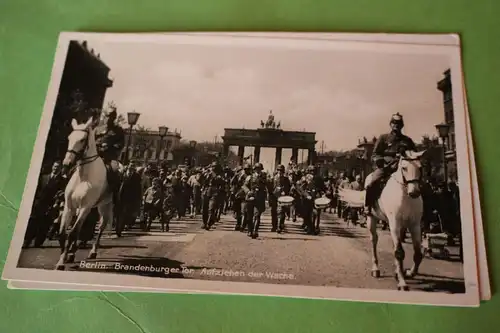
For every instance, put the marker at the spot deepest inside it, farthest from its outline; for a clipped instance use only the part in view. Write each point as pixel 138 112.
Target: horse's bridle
pixel 406 182
pixel 79 154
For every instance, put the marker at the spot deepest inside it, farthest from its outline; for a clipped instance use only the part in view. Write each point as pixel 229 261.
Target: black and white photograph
pixel 253 165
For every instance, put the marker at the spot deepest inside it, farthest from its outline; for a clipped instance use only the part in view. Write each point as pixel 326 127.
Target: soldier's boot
pixel 369 199
pixel 256 226
pixel 281 226
pixel 274 219
pixel 249 226
pixel 205 215
pixel 239 217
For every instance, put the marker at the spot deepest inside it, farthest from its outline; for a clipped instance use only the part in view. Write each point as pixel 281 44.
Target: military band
pixel 247 191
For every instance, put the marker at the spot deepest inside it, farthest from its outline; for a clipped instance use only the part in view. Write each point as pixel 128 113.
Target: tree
pixel 121 120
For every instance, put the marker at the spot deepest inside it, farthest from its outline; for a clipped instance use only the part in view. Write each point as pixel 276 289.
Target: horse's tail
pixel 351 197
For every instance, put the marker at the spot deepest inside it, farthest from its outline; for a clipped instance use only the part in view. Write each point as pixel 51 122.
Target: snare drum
pixel 321 203
pixel 285 201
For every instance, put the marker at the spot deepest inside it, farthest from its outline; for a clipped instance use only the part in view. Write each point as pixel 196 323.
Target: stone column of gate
pixel 295 155
pixel 311 156
pixel 225 150
pixel 256 154
pixel 277 159
pixel 241 154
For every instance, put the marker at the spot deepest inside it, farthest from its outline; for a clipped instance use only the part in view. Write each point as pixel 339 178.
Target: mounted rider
pixel 386 154
pixel 110 140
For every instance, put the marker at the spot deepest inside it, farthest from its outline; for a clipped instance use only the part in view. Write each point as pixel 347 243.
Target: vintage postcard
pixel 484 282
pixel 268 165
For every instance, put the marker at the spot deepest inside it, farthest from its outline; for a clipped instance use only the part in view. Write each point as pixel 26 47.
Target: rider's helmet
pixel 397 119
pixel 112 114
pixel 280 168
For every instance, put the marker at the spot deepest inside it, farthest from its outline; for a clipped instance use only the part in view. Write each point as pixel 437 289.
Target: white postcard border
pixel 470 298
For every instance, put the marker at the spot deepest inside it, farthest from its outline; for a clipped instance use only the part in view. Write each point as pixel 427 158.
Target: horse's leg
pixel 416 239
pixel 399 254
pixel 83 213
pixel 106 212
pixel 372 226
pixel 66 219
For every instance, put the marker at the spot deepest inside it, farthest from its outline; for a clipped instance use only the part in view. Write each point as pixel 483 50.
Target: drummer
pixel 311 183
pixel 280 186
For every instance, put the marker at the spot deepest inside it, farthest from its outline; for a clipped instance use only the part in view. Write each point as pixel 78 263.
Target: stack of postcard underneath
pixel 237 163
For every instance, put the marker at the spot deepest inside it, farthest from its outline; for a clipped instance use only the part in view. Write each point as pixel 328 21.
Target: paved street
pixel 339 256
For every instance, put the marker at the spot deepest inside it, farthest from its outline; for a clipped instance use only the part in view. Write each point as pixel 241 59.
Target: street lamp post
pixel 132 118
pixel 162 132
pixel 443 130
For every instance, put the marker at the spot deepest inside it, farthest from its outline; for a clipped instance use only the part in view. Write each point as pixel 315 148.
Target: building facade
pixel 83 87
pixel 84 71
pixel 445 87
pixel 147 146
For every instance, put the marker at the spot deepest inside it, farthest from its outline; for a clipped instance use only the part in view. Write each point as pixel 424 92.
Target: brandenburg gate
pixel 270 135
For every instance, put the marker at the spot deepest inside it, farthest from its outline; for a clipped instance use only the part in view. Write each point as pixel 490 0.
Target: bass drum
pixel 322 202
pixel 285 200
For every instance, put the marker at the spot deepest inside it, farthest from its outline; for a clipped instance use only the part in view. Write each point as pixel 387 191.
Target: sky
pixel 341 95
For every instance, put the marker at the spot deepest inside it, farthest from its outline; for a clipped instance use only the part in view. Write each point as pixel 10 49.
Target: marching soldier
pixel 239 195
pixel 176 180
pixel 312 186
pixel 213 187
pixel 168 206
pixel 255 190
pixel 330 192
pixel 295 177
pixel 195 184
pixel 110 140
pixel 233 188
pixel 342 183
pixel 227 202
pixel 280 185
pixel 152 199
pixel 386 154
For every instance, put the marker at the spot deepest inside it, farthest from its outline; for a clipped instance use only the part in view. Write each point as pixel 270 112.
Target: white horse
pixel 86 189
pixel 401 206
